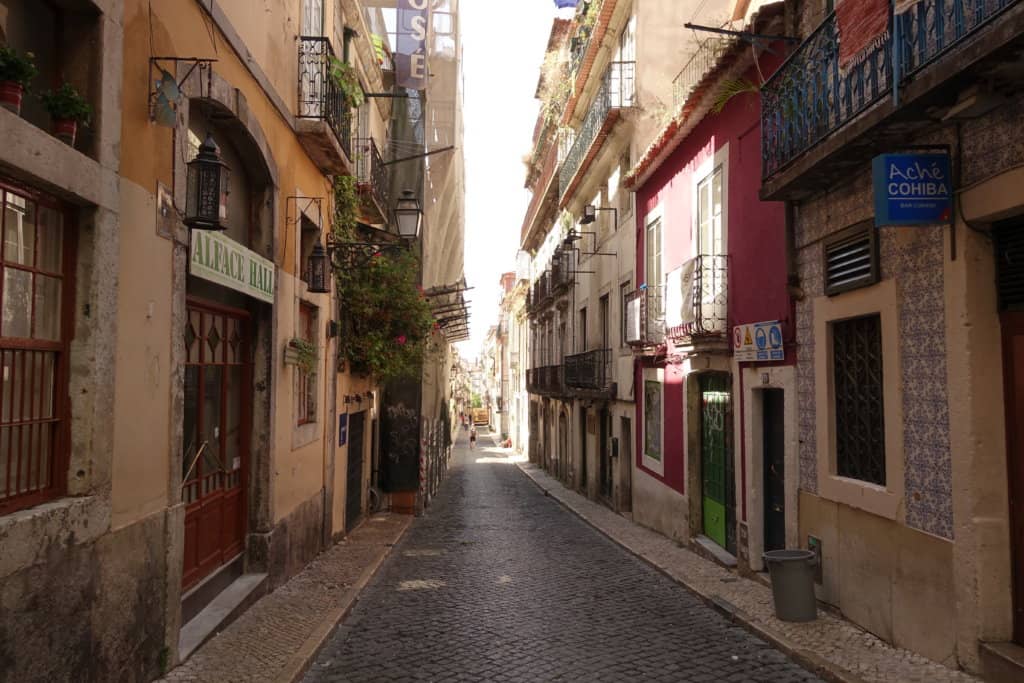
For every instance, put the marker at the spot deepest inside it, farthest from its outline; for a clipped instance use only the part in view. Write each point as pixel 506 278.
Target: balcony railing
pixel 561 271
pixel 371 173
pixel 589 371
pixel 702 61
pixel 702 300
pixel 546 380
pixel 319 97
pixel 645 317
pixel 810 96
pixel 617 91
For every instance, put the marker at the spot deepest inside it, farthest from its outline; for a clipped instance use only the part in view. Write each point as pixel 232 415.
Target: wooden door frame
pixel 1009 322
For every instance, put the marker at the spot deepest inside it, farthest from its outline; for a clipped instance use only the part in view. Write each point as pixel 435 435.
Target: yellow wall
pixel 142 383
pixel 145 377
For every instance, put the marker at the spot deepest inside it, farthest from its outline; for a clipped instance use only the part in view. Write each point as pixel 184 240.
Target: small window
pixel 652 420
pixel 307 240
pixel 306 391
pixel 860 424
pixel 851 259
pixel 623 317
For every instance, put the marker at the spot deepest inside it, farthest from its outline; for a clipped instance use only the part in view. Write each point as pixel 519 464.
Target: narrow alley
pixel 497 581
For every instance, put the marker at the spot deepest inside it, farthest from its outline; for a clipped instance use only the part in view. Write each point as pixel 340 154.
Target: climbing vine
pixel 388 318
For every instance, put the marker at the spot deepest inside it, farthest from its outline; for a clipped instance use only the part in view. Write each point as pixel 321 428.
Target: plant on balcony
pixel 731 88
pixel 388 317
pixel 16 73
pixel 345 78
pixel 68 109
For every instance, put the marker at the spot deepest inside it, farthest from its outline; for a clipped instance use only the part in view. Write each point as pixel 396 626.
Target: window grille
pixel 307 380
pixel 1008 239
pixel 860 424
pixel 851 259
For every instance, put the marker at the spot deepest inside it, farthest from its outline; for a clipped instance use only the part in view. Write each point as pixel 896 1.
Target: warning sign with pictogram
pixel 758 342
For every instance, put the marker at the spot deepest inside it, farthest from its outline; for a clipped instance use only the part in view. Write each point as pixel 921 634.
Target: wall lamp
pixel 590 214
pixel 347 255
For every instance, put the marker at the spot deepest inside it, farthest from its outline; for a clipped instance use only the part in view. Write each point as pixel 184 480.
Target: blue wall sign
pixel 912 189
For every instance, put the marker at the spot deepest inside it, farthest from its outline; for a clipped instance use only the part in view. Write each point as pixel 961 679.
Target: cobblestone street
pixel 498 582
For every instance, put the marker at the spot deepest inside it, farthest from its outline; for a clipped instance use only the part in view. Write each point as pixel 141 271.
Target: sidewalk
pixel 277 638
pixel 831 647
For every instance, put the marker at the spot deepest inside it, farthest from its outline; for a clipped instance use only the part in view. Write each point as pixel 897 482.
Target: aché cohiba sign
pixel 219 259
pixel 912 189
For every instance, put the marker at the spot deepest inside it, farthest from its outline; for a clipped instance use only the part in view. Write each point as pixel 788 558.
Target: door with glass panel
pixel 711 285
pixel 218 406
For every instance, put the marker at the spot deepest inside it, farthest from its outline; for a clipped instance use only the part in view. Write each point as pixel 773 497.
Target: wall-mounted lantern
pixel 408 215
pixel 206 201
pixel 318 267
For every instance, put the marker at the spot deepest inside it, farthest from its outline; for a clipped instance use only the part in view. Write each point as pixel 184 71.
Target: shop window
pixel 33 349
pixel 306 391
pixel 307 240
pixel 860 423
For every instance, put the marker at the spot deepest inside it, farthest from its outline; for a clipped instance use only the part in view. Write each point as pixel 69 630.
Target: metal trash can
pixel 792 573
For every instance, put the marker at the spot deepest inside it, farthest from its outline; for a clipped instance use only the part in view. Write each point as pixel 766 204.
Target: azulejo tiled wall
pixel 914 258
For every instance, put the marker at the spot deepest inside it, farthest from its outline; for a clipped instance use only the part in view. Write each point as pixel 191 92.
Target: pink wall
pixel 755 240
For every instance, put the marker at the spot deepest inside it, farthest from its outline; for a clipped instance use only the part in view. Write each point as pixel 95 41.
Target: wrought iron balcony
pixel 372 177
pixel 324 120
pixel 617 92
pixel 700 63
pixel 589 372
pixel 702 313
pixel 811 97
pixel 645 318
pixel 545 380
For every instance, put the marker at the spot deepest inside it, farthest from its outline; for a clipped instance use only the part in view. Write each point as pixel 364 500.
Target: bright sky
pixel 503 47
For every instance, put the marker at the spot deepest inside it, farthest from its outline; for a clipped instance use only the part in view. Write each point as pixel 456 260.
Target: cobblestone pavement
pixel 836 647
pixel 496 582
pixel 276 637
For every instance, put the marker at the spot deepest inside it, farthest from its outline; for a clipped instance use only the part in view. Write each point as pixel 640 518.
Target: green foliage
pixel 730 89
pixel 65 104
pixel 17 67
pixel 389 321
pixel 305 355
pixel 476 401
pixel 346 208
pixel 347 80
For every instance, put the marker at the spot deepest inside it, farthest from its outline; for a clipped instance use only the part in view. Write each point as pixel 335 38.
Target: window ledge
pixel 42 159
pixel 28 536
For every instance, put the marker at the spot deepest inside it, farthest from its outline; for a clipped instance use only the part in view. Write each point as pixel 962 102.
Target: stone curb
pixel 300 662
pixel 815 664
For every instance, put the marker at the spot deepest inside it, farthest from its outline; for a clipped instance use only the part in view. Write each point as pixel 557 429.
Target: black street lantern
pixel 206 202
pixel 318 268
pixel 408 215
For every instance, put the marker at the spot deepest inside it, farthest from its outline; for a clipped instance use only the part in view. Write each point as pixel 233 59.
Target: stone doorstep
pixel 220 612
pixel 1002 662
pixel 814 662
pixel 710 550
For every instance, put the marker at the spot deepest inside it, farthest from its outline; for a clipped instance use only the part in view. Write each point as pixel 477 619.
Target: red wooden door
pixel 216 437
pixel 1013 380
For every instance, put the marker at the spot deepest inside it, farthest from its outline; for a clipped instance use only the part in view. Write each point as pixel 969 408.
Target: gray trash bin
pixel 792 573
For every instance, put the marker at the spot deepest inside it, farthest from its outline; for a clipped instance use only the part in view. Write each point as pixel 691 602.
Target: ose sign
pixel 912 189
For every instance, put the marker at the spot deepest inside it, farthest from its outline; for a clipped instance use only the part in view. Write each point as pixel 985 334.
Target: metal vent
pixel 1008 239
pixel 851 259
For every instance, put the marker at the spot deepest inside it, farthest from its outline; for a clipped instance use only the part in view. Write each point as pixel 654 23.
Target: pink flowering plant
pixel 387 318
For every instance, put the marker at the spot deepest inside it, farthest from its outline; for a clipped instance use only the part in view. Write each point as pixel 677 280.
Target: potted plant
pixel 16 72
pixel 68 109
pixel 302 354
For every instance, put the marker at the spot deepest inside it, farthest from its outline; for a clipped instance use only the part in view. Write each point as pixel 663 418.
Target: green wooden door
pixel 714 399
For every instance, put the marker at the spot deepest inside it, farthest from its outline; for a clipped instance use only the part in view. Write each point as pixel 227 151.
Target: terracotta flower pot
pixel 11 93
pixel 65 130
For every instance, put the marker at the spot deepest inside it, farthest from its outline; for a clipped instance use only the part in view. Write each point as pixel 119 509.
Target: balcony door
pixel 313 18
pixel 712 248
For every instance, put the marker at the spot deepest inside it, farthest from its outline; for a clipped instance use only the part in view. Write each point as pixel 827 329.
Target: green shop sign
pixel 218 259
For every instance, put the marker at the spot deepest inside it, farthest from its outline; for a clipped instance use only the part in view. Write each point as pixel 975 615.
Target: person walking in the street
pixel 472 437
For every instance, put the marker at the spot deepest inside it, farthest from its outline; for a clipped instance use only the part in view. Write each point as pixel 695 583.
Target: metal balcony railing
pixel 617 91
pixel 704 300
pixel 700 63
pixel 546 380
pixel 319 97
pixel 371 171
pixel 810 97
pixel 645 314
pixel 589 371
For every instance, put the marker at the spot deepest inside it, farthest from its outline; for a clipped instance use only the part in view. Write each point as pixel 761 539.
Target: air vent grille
pixel 851 259
pixel 1008 240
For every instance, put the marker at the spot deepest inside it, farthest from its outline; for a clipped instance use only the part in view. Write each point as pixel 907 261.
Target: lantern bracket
pixel 296 205
pixel 158 84
pixel 357 255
